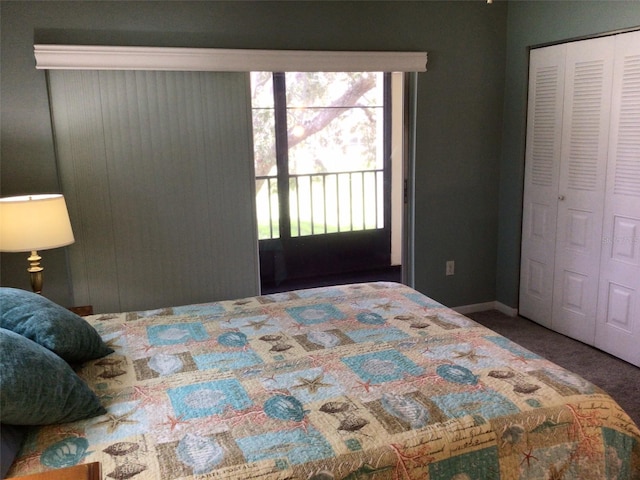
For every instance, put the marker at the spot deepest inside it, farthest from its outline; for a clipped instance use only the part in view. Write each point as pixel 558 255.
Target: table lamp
pixel 32 223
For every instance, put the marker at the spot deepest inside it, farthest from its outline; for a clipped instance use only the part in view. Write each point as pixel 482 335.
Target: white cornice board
pixel 89 57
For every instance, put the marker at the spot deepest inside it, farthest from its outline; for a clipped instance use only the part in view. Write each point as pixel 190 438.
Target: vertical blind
pixel 157 169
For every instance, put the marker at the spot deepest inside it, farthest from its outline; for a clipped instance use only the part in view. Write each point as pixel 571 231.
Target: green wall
pixel 459 112
pixel 533 23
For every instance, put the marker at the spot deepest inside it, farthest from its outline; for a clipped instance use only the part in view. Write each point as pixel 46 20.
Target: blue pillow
pixel 50 325
pixel 39 388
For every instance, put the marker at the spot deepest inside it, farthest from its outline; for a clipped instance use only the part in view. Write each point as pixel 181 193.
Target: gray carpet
pixel 618 378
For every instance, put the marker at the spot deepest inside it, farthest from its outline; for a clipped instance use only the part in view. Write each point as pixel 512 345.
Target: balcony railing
pixel 321 203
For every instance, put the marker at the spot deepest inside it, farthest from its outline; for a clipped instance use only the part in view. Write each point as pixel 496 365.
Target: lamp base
pixel 35 271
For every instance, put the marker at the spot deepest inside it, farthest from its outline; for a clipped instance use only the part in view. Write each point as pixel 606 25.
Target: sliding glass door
pixel 322 144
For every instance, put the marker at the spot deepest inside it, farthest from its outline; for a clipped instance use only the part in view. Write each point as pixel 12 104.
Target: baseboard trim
pixel 507 310
pixel 479 307
pixel 476 307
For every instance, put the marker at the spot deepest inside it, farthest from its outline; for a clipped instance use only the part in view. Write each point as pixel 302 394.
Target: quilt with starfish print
pixel 363 381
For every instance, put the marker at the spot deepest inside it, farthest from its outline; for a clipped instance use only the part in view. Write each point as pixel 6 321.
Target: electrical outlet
pixel 450 267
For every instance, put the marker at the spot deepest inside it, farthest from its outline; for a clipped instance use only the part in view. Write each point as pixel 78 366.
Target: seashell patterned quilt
pixel 365 381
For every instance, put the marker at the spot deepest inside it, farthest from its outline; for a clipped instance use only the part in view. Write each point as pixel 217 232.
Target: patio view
pixel 319 152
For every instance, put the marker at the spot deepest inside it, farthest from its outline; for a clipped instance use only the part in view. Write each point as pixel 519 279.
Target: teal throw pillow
pixel 50 325
pixel 39 388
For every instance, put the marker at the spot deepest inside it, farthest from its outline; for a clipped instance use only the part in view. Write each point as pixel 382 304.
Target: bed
pixel 362 381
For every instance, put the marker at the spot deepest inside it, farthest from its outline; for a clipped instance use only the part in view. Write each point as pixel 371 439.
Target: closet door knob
pixel 560 197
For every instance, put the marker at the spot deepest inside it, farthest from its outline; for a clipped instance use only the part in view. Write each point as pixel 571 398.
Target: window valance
pixel 90 57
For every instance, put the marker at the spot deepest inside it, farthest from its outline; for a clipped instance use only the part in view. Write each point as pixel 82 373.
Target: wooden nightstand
pixel 86 471
pixel 83 311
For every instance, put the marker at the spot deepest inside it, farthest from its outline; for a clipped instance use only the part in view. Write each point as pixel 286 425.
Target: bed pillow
pixel 39 388
pixel 11 437
pixel 50 325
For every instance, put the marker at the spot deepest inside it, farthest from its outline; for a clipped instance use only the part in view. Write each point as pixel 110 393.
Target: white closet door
pixel 544 133
pixel 618 321
pixel 583 163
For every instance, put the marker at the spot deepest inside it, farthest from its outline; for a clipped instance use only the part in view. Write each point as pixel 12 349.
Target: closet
pixel 580 259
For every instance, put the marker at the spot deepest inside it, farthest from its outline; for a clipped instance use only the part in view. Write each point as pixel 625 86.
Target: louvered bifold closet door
pixel 583 164
pixel 618 320
pixel 544 133
pixel 157 170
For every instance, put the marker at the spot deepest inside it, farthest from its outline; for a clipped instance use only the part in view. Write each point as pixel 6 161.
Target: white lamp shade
pixel 34 222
